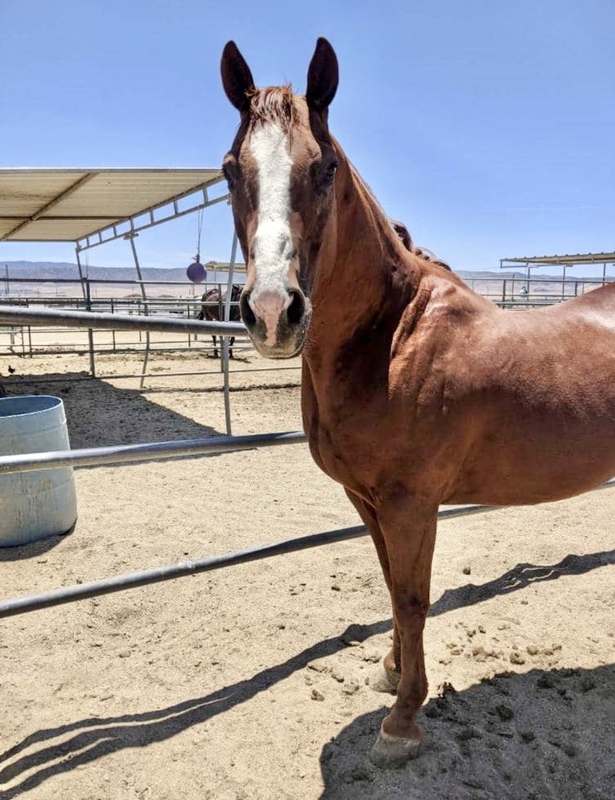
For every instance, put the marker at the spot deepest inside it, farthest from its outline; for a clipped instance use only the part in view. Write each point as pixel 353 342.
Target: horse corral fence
pixel 93 207
pixel 24 318
pixel 509 291
pixel 29 334
pixel 123 454
pixel 177 315
pixel 20 339
pixel 45 326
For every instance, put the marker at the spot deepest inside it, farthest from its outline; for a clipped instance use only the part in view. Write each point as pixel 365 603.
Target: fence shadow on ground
pixel 68 747
pixel 99 414
pixel 545 733
pixel 519 577
pixel 542 734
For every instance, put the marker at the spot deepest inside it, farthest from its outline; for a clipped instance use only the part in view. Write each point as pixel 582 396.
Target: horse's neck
pixel 363 274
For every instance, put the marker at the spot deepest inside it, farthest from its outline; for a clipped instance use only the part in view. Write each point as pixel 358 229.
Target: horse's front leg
pixel 215 347
pixel 388 674
pixel 409 530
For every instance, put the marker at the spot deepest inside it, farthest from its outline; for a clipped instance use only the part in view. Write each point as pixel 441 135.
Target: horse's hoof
pixel 392 752
pixel 384 680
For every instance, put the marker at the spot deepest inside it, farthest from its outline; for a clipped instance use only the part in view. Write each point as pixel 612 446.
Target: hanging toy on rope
pixel 196 272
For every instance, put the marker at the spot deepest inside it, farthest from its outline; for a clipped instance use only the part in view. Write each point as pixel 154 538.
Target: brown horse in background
pixel 212 308
pixel 416 391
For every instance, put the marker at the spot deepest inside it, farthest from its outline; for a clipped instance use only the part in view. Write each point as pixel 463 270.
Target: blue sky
pixel 487 127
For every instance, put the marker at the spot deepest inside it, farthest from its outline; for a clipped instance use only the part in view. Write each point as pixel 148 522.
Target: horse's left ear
pixel 323 76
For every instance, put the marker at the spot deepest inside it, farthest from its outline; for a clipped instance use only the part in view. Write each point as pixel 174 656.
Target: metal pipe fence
pixel 150 451
pixel 132 580
pixel 16 315
pixel 519 292
pixel 121 454
pixel 160 451
pixel 39 332
pixel 516 293
pixel 131 376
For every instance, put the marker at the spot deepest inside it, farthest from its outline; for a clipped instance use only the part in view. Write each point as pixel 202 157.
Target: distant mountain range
pixel 62 270
pixel 494 284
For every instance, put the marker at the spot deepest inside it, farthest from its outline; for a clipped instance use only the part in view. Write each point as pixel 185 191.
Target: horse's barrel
pixel 41 503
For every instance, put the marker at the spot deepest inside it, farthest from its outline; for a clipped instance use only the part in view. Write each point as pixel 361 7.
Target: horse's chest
pixel 331 450
pixel 343 435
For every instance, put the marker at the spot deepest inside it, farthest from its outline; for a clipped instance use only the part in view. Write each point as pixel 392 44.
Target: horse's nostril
pixel 247 315
pixel 296 309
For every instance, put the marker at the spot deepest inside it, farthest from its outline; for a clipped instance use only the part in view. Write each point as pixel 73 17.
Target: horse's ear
pixel 237 79
pixel 323 76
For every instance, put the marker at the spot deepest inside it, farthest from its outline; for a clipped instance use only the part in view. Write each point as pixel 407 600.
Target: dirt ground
pixel 251 682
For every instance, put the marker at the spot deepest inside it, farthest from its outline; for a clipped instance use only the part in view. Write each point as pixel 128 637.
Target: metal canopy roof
pixel 558 261
pixel 66 205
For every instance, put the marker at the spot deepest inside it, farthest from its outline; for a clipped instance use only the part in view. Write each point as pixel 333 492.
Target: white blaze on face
pixel 273 243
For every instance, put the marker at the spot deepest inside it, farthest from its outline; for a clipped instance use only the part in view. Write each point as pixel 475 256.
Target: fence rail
pixel 182 569
pixel 151 451
pixel 164 450
pixel 16 315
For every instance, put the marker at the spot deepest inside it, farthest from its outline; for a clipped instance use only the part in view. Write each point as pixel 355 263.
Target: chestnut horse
pixel 212 308
pixel 416 391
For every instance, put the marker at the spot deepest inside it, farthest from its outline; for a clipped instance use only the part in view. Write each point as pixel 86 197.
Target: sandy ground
pixel 252 682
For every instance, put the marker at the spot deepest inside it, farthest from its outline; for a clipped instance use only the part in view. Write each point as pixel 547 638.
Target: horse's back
pixel 596 306
pixel 209 305
pixel 578 332
pixel 579 328
pixel 567 348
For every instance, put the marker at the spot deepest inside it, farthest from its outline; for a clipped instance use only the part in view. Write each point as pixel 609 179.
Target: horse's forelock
pixel 272 104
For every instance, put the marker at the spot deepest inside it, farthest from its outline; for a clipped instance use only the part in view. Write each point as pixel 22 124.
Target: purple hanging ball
pixel 196 272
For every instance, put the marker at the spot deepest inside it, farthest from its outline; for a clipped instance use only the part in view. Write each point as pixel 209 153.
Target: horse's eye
pixel 330 172
pixel 323 173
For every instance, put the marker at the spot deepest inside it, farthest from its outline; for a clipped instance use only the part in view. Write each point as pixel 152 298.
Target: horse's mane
pixel 403 233
pixel 399 228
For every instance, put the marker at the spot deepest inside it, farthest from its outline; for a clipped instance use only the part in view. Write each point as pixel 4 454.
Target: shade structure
pixel 68 205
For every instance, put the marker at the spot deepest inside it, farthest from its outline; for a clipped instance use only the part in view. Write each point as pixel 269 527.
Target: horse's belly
pixel 535 471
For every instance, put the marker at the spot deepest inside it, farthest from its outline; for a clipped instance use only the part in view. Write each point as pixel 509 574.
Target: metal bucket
pixel 42 503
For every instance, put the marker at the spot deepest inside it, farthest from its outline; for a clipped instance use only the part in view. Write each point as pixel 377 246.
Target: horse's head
pixel 280 171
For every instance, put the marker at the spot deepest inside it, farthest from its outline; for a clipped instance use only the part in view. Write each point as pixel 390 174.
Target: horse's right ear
pixel 237 79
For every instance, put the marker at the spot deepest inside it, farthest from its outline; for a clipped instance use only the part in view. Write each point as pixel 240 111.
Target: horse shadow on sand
pixel 543 734
pixel 533 736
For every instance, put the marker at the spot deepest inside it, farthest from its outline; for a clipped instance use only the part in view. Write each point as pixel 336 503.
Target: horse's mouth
pixel 287 343
pixel 288 349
